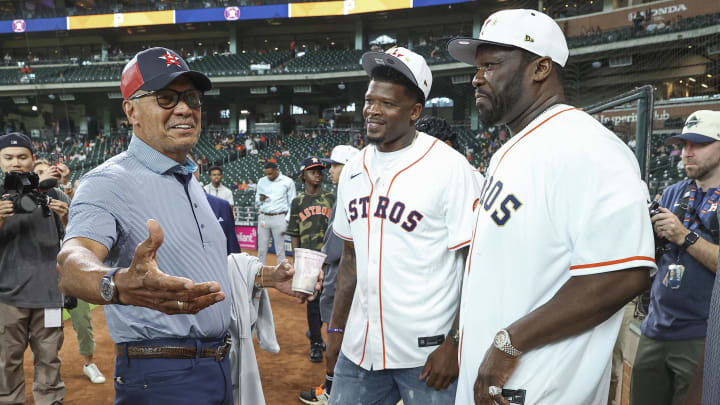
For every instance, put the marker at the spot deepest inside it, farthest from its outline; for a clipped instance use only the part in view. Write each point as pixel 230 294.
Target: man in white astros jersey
pixel 404 210
pixel 562 234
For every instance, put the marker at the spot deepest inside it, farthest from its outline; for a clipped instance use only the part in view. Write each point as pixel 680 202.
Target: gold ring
pixel 181 305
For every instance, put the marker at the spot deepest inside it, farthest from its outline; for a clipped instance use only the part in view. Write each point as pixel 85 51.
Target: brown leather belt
pixel 275 213
pixel 171 352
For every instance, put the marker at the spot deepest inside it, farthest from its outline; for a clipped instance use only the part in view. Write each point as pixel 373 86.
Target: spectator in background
pixel 632 142
pixel 675 150
pixel 436 53
pixel 275 192
pixel 309 216
pixel 224 214
pixel 215 187
pixel 637 23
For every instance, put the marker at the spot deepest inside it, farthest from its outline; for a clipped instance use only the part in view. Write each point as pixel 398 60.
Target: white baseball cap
pixel 702 126
pixel 341 154
pixel 405 61
pixel 530 30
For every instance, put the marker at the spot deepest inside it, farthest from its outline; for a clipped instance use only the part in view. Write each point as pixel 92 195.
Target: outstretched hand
pixel 282 278
pixel 144 284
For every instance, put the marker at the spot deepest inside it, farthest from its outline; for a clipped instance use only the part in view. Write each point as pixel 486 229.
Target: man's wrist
pixel 689 239
pixel 453 336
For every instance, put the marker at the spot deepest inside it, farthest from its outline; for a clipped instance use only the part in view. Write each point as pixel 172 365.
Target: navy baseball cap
pixel 16 139
pixel 311 162
pixel 155 68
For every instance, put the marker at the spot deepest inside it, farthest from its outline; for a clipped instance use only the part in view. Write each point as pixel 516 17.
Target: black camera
pixel 642 305
pixel 660 243
pixel 22 189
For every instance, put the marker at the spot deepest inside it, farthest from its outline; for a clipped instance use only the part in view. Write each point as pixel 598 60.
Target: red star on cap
pixel 170 59
pixel 396 53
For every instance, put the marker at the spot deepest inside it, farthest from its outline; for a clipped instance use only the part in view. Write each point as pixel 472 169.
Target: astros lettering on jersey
pixel 407 225
pixel 562 198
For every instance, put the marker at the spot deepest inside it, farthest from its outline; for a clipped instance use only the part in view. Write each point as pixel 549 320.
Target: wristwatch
pixel 454 334
pixel 502 343
pixel 108 290
pixel 691 238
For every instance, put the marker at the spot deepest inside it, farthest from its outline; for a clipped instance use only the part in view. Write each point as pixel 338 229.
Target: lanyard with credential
pixel 704 209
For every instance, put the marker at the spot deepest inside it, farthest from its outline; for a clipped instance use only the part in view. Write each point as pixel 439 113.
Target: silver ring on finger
pixel 494 391
pixel 181 305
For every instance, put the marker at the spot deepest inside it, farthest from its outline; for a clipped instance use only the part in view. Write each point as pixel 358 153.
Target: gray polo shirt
pixel 113 204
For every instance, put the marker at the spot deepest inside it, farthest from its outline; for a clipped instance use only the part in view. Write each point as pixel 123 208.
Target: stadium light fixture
pixel 709 75
pixel 692 79
pixel 34 107
pixel 704 85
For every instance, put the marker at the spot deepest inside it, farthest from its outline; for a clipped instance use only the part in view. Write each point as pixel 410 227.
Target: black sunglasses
pixel 169 98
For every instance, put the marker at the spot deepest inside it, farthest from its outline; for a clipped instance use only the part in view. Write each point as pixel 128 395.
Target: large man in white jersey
pixel 562 234
pixel 404 209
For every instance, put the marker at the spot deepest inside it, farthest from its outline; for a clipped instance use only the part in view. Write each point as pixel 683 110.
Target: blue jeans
pixel 353 384
pixel 173 381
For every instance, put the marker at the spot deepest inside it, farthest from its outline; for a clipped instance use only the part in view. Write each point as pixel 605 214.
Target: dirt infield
pixel 283 375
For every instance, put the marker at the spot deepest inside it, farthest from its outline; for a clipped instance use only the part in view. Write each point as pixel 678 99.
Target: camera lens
pixel 26 203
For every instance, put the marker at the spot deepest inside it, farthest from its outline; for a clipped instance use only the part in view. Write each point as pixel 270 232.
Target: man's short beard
pixel 703 172
pixel 501 104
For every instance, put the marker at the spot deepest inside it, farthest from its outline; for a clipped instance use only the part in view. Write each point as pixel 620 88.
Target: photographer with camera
pixel 31 227
pixel 685 225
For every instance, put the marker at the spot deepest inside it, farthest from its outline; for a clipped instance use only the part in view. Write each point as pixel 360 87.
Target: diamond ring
pixel 494 391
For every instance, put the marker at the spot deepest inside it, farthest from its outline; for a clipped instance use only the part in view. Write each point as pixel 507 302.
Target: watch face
pixel 106 289
pixel 500 339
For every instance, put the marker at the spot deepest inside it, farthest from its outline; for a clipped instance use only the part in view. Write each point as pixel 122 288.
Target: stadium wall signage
pixel 290 10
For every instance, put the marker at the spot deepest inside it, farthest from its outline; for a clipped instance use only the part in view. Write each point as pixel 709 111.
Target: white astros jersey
pixel 562 198
pixel 407 222
pixel 479 179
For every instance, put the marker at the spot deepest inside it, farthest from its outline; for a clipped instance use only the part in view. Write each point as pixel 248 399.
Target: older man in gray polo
pixel 115 254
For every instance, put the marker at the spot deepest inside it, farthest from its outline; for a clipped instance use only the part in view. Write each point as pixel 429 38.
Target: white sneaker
pixel 93 373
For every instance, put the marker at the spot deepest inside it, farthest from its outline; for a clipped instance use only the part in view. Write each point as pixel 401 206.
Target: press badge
pixel 674 275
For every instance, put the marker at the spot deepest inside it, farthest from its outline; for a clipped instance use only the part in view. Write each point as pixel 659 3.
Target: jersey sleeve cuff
pixel 341 236
pixel 613 265
pixel 460 245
